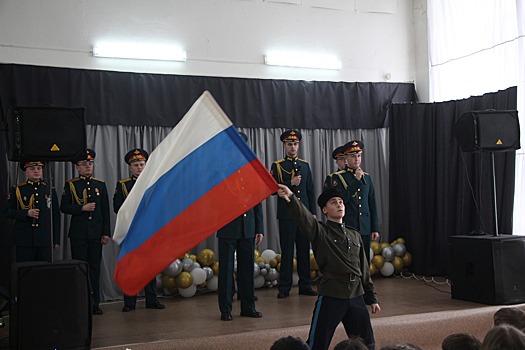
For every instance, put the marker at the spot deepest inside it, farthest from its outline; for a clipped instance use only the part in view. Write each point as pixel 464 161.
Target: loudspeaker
pixel 50 305
pixel 45 133
pixel 490 130
pixel 488 269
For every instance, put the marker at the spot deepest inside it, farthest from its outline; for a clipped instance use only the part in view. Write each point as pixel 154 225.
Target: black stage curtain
pixel 434 186
pixel 131 99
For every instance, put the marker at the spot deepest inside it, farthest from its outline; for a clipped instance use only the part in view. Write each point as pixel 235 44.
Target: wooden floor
pixel 199 315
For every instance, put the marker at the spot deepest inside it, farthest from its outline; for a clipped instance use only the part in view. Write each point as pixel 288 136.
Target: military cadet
pixel 241 235
pixel 136 159
pixel 30 205
pixel 338 155
pixel 294 173
pixel 85 198
pixel 359 195
pixel 345 286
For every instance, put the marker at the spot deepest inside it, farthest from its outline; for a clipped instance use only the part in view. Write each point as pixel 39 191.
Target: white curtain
pixel 476 47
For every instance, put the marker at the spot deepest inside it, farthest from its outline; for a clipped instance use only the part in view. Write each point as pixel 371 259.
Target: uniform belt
pixel 341 276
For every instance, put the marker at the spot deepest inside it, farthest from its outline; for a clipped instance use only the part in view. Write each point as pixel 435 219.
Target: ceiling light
pixel 303 61
pixel 140 52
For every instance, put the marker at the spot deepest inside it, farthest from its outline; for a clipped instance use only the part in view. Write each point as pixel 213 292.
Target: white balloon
pixel 371 255
pixel 268 254
pixel 199 275
pixel 188 292
pixel 295 279
pixel 258 281
pixel 213 283
pixel 387 269
pixel 256 270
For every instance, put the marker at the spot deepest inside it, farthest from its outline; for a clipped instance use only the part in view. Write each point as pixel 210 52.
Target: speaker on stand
pixel 487 269
pixel 489 131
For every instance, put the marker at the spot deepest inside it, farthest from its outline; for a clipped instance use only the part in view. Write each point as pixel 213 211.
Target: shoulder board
pixel 43 183
pixel 279 161
pixel 339 172
pixel 302 160
pixel 94 178
pixel 125 180
pixel 73 180
pixel 20 184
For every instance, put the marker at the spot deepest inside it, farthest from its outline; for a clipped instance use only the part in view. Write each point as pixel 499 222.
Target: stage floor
pixel 199 316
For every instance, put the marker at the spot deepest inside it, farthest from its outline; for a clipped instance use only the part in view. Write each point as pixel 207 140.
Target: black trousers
pixel 245 267
pixel 89 250
pixel 289 235
pixel 151 295
pixel 32 253
pixel 329 311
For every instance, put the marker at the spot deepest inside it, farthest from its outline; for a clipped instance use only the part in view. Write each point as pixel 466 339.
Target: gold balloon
pixel 259 260
pixel 187 255
pixel 400 240
pixel 202 285
pixel 313 263
pixel 278 267
pixel 193 257
pixel 407 259
pixel 384 245
pixel 294 265
pixel 184 279
pixel 376 247
pixel 373 269
pixel 206 257
pixel 173 290
pixel 215 268
pixel 278 258
pixel 256 254
pixel 273 263
pixel 168 282
pixel 313 274
pixel 378 261
pixel 398 264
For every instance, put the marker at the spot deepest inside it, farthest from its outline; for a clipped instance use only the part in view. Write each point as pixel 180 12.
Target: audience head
pixel 401 346
pixel 354 343
pixel 289 343
pixel 504 337
pixel 510 315
pixel 461 341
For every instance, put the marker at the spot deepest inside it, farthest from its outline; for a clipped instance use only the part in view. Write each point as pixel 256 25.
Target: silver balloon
pixel 399 249
pixel 196 264
pixel 261 265
pixel 258 281
pixel 256 270
pixel 263 272
pixel 187 264
pixel 209 272
pixel 272 275
pixel 174 268
pixel 388 253
pixel 267 266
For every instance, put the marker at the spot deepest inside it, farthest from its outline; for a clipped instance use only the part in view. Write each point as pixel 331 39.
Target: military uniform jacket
pixel 244 226
pixel 359 199
pixel 28 232
pixel 122 190
pixel 80 191
pixel 338 250
pixel 283 171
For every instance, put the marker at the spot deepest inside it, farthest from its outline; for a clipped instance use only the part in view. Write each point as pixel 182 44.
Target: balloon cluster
pixel 187 274
pixel 388 259
pixel 190 273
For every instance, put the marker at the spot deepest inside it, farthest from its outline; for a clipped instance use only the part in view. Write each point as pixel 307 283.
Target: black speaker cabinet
pixel 488 269
pixel 50 305
pixel 492 131
pixel 45 133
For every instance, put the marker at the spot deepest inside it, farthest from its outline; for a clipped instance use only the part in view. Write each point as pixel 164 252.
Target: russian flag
pixel 198 179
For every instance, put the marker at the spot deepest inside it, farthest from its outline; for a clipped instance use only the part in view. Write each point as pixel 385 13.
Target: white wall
pixel 222 37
